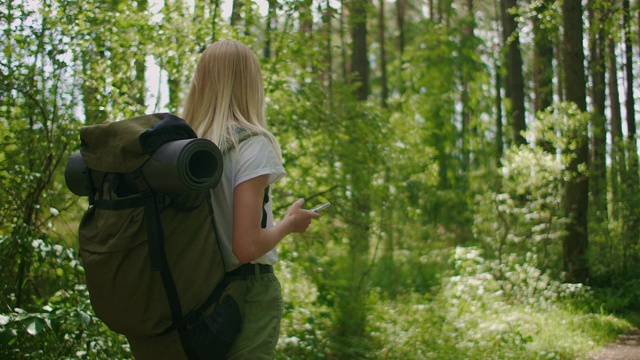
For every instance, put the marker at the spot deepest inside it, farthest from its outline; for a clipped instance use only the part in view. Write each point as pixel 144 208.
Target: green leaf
pixel 35 325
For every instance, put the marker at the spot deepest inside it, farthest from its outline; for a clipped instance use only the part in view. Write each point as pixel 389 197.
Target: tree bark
pixel 499 145
pixel 401 6
pixel 515 78
pixel 306 18
pixel 632 198
pixel 139 83
pixel 543 35
pixel 465 81
pixel 576 241
pixel 352 312
pixel 598 170
pixel 271 23
pixel 359 59
pixel 236 9
pixel 383 57
pixel 618 156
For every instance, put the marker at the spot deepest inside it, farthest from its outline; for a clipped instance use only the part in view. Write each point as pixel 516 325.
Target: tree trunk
pixel 328 73
pixel 632 145
pixel 271 24
pixel 465 81
pixel 352 312
pixel 598 170
pixel 576 240
pixel 543 35
pixel 401 6
pixel 383 56
pixel 306 17
pixel 499 145
pixel 139 82
pixel 359 59
pixel 343 45
pixel 236 9
pixel 515 78
pixel 498 105
pixel 632 198
pixel 214 19
pixel 618 156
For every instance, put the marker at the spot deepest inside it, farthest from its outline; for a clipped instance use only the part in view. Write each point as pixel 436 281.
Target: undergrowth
pixel 474 314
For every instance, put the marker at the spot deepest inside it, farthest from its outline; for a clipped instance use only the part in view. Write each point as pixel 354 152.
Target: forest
pixel 480 157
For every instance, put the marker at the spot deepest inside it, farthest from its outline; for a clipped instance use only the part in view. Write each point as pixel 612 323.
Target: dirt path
pixel 626 348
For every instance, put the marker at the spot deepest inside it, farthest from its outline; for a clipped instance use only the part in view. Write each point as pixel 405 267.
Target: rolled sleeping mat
pixel 177 167
pixel 75 175
pixel 184 166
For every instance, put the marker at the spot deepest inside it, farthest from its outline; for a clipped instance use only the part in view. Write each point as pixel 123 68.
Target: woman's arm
pixel 250 240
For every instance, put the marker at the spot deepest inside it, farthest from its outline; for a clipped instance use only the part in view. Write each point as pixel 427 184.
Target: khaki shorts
pixel 261 324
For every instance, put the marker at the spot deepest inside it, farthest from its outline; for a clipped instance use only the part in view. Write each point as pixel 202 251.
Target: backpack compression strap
pixel 158 258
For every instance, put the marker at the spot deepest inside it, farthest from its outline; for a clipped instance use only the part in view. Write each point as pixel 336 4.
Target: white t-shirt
pixel 254 157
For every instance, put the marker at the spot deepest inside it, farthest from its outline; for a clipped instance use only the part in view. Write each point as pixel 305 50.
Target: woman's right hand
pixel 299 219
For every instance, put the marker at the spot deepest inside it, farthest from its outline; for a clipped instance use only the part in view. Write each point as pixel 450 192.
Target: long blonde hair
pixel 226 92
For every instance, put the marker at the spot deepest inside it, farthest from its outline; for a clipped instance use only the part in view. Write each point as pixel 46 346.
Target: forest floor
pixel 626 348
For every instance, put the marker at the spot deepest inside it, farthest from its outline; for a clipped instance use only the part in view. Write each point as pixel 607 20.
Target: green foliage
pixel 479 316
pixel 306 318
pixel 525 216
pixel 407 184
pixel 59 322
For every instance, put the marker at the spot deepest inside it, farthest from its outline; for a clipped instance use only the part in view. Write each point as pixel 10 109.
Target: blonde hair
pixel 226 92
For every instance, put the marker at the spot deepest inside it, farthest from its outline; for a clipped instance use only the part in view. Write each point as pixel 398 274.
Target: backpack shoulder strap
pixel 242 135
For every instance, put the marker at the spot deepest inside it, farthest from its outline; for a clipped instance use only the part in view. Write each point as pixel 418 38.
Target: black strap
pixel 158 258
pixel 120 204
pixel 263 223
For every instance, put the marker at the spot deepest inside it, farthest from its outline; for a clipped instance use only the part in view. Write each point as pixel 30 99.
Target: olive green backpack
pixel 148 244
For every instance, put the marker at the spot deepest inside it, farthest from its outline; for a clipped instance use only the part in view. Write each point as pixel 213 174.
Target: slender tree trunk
pixel 306 17
pixel 359 59
pixel 618 157
pixel 236 9
pixel 465 81
pixel 401 6
pixel 139 82
pixel 352 312
pixel 631 222
pixel 270 24
pixel 499 131
pixel 543 35
pixel 515 77
pixel 383 56
pixel 576 240
pixel 343 45
pixel 214 19
pixel 328 35
pixel 598 170
pixel 560 92
pixel 499 145
pixel 632 145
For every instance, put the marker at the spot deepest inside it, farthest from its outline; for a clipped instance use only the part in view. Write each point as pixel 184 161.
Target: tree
pixel 544 33
pixel 353 307
pixel 598 170
pixel 514 71
pixel 618 155
pixel 632 199
pixel 271 25
pixel 576 241
pixel 401 8
pixel 383 56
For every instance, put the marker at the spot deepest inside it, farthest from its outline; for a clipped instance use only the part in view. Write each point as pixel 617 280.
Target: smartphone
pixel 321 207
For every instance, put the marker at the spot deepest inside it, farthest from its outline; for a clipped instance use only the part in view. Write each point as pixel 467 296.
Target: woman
pixel 226 105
